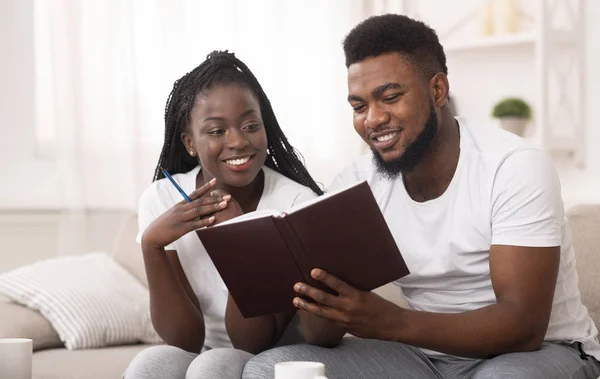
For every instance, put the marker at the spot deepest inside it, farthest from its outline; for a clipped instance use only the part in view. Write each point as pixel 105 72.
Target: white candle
pixel 15 358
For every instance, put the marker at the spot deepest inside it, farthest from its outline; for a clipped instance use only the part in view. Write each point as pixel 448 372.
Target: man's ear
pixel 440 88
pixel 187 142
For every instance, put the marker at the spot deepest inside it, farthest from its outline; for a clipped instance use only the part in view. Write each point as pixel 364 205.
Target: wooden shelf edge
pixel 497 41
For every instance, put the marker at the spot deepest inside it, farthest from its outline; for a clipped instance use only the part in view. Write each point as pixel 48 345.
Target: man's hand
pixel 363 314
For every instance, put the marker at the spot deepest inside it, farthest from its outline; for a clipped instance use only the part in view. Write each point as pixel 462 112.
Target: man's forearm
pixel 318 331
pixel 482 333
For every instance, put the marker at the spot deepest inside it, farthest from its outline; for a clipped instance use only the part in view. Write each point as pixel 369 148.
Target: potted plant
pixel 513 114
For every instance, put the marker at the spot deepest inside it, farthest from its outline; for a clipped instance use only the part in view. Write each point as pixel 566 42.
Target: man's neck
pixel 432 176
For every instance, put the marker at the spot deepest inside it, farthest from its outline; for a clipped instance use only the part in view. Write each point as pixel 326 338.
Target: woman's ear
pixel 440 88
pixel 187 142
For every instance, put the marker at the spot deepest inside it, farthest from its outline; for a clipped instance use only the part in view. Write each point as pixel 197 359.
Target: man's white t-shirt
pixel 504 192
pixel 279 193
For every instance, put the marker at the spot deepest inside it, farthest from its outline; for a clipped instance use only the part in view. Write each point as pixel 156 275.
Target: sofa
pixel 52 361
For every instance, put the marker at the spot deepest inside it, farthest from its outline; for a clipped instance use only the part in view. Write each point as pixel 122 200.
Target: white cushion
pixel 89 299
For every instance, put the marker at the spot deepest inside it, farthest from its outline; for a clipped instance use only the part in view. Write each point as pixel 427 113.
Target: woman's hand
pixel 232 210
pixel 185 217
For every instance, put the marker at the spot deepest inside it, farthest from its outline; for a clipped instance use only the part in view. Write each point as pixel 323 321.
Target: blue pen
pixel 185 196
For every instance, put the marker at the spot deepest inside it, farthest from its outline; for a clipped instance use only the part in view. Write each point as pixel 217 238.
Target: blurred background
pixel 84 85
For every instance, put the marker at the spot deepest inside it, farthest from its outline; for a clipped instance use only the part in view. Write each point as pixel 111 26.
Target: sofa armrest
pixel 17 321
pixel 584 220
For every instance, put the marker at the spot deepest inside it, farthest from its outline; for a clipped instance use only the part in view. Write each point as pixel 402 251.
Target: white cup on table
pixel 15 358
pixel 300 370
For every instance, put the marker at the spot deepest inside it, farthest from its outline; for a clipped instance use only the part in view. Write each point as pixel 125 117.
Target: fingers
pixel 214 198
pixel 200 211
pixel 206 188
pixel 205 200
pixel 219 192
pixel 202 223
pixel 318 310
pixel 334 283
pixel 318 295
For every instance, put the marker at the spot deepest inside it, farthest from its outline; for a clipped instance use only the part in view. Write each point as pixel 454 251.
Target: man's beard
pixel 413 154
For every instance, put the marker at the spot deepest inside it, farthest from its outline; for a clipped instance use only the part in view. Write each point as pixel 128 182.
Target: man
pixel 478 217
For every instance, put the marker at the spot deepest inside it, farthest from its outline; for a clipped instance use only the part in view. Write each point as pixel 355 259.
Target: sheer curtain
pixel 104 70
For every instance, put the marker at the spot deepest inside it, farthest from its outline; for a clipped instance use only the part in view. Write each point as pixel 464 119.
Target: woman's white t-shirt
pixel 279 193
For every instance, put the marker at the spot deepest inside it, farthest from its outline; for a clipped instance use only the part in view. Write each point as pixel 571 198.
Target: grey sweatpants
pixel 170 362
pixel 365 359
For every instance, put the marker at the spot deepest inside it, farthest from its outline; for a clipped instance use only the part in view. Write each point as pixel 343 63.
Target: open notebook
pixel 262 254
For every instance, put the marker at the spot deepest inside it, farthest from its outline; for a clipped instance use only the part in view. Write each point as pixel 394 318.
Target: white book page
pixel 252 215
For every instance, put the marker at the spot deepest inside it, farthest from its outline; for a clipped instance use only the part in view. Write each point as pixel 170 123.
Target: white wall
pixel 592 173
pixel 479 78
pixel 583 186
pixel 31 236
pixel 30 181
pixel 27 182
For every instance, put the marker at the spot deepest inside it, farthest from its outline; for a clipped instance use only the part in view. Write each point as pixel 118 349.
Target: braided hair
pixel 222 67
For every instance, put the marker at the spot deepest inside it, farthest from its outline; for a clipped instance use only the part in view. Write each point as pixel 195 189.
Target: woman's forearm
pixel 254 334
pixel 176 318
pixel 318 331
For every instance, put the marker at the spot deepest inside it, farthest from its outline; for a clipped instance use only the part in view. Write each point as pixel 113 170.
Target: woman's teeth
pixel 237 162
pixel 386 137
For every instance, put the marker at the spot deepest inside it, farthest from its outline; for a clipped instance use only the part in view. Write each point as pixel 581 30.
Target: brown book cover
pixel 261 255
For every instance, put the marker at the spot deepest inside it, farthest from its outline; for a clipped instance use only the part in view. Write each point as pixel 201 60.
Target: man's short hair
pixel 393 33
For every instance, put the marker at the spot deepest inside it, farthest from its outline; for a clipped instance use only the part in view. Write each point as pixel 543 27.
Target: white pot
pixel 515 125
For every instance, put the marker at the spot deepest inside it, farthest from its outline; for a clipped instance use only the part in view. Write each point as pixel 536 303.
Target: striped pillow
pixel 90 300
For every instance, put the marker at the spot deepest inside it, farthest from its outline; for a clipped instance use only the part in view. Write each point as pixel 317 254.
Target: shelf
pixel 498 41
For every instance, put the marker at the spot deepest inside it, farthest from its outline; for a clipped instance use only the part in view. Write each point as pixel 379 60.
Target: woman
pixel 224 147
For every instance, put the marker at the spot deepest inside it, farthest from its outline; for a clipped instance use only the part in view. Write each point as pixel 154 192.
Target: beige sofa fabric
pixel 27 323
pixel 107 363
pixel 585 227
pixel 128 252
